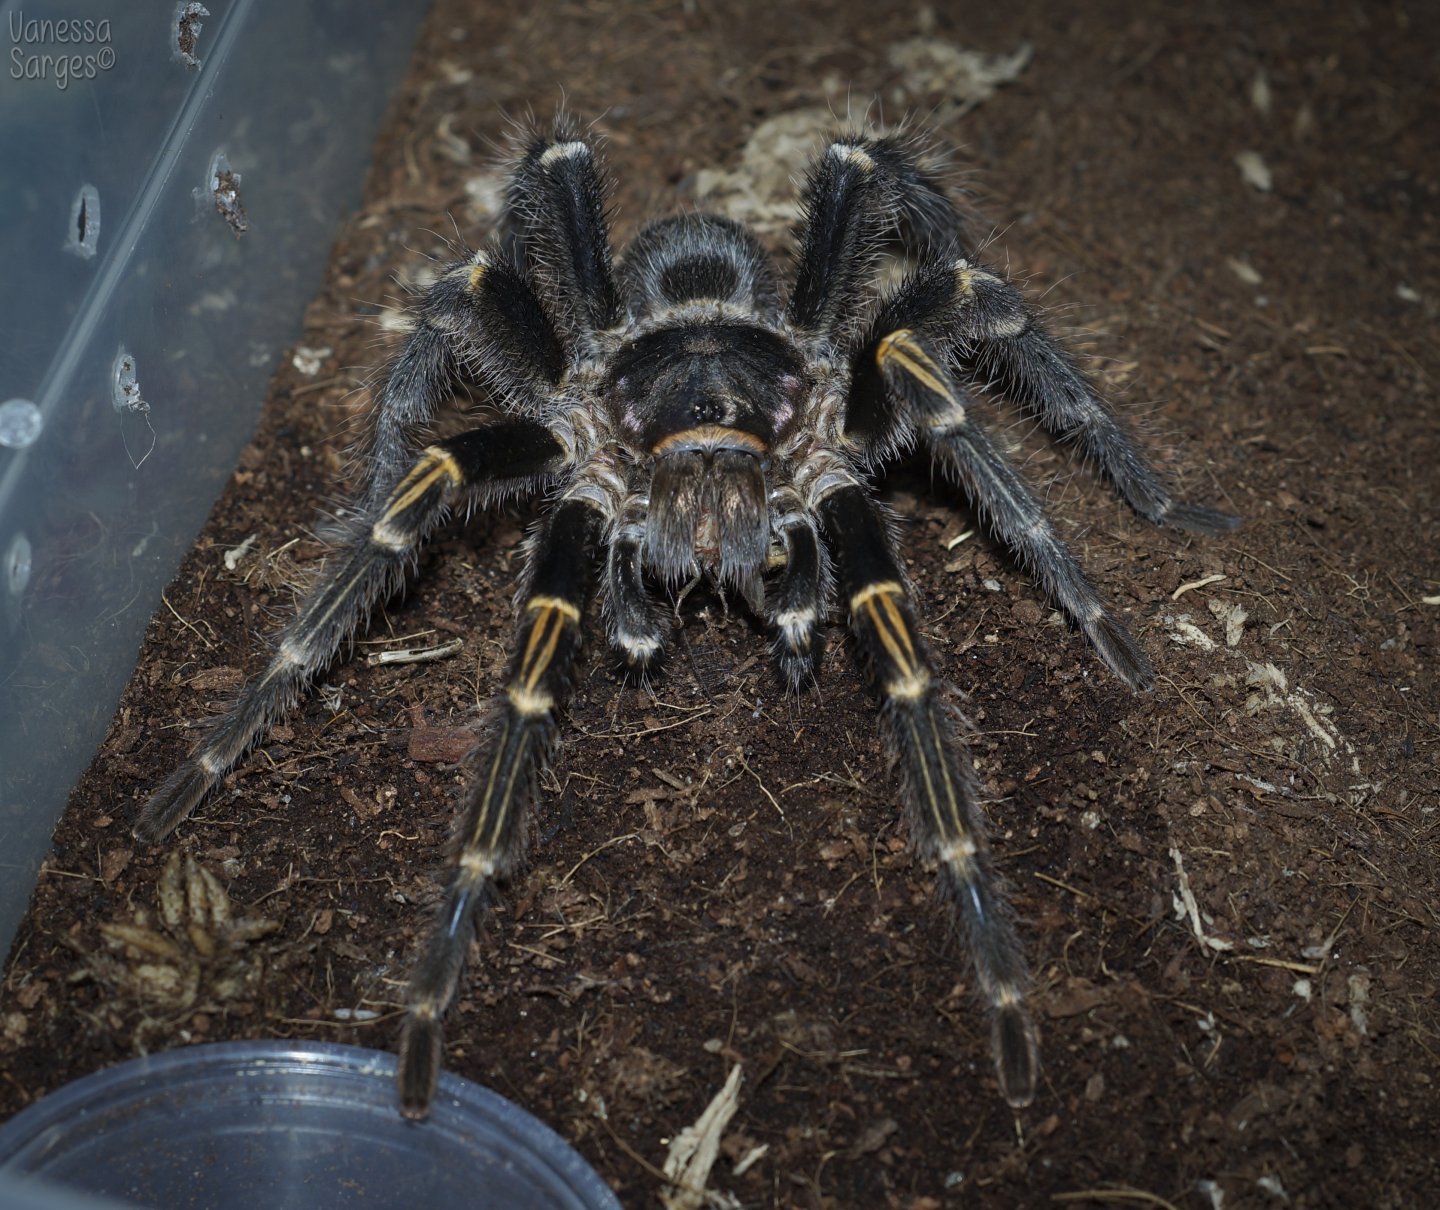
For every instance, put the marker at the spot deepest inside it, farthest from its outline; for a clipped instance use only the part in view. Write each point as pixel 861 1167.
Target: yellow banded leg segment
pixel 941 796
pixel 429 483
pixel 492 828
pixel 910 369
pixel 362 571
pixel 880 613
pixel 551 623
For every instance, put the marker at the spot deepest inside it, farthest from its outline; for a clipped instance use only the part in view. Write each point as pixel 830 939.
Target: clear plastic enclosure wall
pixel 171 176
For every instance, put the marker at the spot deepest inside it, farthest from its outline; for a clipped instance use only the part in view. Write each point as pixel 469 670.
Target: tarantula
pixel 686 417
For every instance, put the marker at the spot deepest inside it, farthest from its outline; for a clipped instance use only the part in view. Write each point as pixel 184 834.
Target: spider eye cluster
pixel 700 372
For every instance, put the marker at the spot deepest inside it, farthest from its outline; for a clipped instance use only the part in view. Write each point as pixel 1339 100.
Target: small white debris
pixel 751 1158
pixel 954 542
pixel 420 655
pixel 485 193
pixel 1359 988
pixel 1233 617
pixel 760 190
pixel 236 553
pixel 1406 294
pixel 1245 271
pixel 355 1014
pixel 1211 1190
pixel 1185 905
pixel 1260 93
pixel 1272 1186
pixel 1183 630
pixel 990 585
pixel 1255 171
pixel 1304 989
pixel 965 78
pixel 694 1150
pixel 1261 784
pixel 308 361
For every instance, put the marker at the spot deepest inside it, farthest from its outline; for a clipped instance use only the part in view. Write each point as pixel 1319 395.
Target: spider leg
pixel 797 606
pixel 482 317
pixel 492 825
pixel 365 569
pixel 942 799
pixel 917 379
pixel 556 205
pixel 635 630
pixel 983 322
pixel 860 192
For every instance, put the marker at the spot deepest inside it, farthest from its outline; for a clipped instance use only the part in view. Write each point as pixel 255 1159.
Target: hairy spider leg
pixel 984 324
pixel 556 213
pixel 941 797
pixel 492 824
pixel 368 567
pixel 1037 373
pixel 916 380
pixel 860 192
pixel 481 319
pixel 796 606
pixel 634 624
pixel 848 207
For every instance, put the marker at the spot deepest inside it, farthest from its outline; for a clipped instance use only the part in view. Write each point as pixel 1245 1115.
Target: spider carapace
pixel 687 415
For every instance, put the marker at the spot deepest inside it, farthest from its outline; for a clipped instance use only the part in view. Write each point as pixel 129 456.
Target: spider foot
pixel 1118 648
pixel 1017 1054
pixel 1198 519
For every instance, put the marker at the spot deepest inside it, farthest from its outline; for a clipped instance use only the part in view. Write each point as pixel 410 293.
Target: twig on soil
pixel 1114 1195
pixel 417 655
pixel 1184 588
pixel 779 810
pixel 209 646
pixel 1303 968
pixel 1064 886
pixel 614 840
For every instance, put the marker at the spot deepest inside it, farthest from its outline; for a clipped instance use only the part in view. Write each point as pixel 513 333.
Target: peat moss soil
pixel 1228 886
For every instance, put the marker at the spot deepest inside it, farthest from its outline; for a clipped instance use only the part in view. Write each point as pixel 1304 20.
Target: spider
pixel 686 417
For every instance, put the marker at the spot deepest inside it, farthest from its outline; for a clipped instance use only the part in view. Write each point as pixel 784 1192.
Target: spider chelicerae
pixel 685 417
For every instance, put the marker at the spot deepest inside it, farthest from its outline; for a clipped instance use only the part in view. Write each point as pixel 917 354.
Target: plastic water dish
pixel 281 1125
